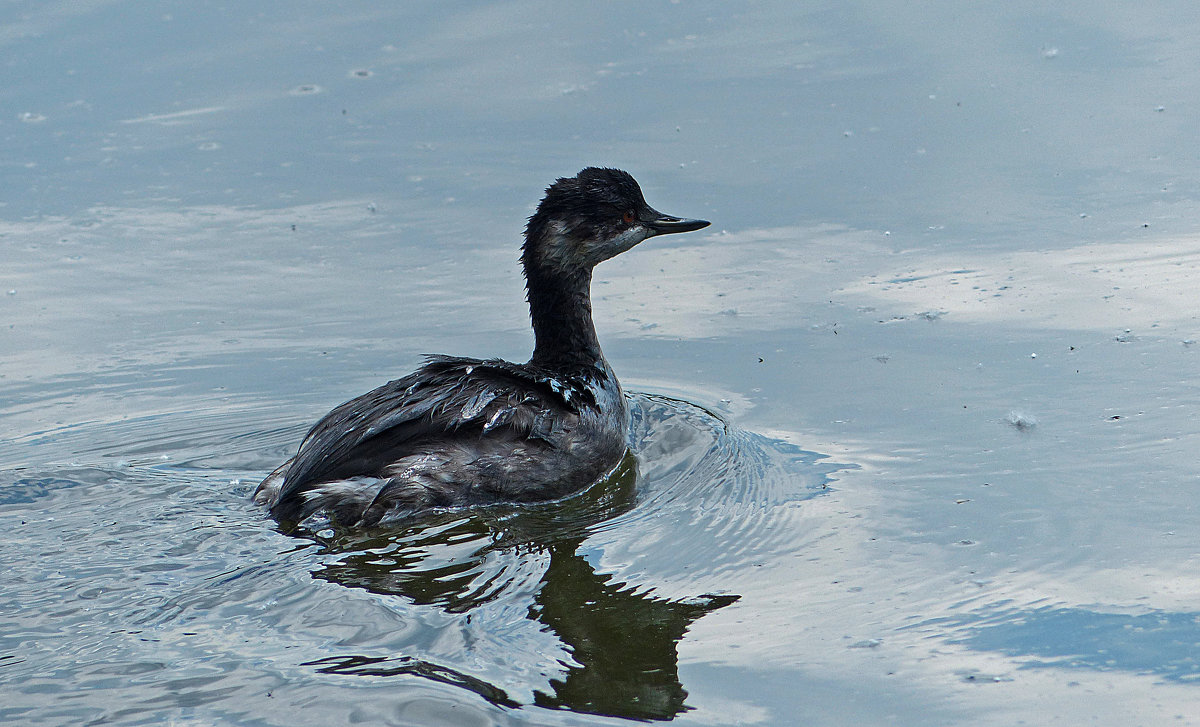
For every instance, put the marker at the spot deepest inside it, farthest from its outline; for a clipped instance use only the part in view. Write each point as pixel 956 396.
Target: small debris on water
pixel 1022 421
pixel 984 679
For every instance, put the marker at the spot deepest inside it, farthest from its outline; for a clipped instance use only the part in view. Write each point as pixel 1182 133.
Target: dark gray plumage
pixel 462 431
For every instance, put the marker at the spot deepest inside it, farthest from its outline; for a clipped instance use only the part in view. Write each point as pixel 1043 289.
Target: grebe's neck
pixel 560 307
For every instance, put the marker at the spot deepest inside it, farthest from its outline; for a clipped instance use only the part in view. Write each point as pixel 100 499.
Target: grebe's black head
pixel 586 219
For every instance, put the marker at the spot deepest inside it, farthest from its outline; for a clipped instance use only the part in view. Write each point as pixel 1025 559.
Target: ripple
pixel 694 501
pixel 150 583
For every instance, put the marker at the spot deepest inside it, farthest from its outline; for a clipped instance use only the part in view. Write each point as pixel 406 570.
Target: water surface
pixel 916 425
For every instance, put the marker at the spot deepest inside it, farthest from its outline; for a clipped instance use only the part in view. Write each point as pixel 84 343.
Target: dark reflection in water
pixel 623 642
pixel 458 560
pixel 383 666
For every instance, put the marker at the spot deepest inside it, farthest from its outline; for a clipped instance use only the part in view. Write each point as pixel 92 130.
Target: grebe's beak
pixel 662 224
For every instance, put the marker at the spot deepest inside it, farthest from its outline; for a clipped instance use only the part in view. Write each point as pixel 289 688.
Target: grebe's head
pixel 586 219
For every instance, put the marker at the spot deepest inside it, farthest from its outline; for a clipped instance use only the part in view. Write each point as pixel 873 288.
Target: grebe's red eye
pixel 627 218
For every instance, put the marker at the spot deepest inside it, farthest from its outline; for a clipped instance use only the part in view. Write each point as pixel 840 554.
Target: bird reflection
pixel 622 641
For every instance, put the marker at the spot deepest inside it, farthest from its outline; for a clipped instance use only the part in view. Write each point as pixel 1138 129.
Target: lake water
pixel 915 431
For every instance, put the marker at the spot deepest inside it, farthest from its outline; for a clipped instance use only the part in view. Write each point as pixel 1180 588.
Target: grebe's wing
pixel 446 398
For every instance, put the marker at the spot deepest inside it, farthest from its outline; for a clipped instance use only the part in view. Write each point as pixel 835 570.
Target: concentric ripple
pixel 695 500
pixel 145 584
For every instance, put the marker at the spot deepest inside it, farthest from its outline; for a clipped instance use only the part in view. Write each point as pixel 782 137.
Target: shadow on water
pixel 619 636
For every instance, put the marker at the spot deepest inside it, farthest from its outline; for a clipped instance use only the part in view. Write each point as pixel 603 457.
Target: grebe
pixel 464 431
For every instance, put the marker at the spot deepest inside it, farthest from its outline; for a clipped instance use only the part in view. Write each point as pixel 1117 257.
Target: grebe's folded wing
pixel 447 397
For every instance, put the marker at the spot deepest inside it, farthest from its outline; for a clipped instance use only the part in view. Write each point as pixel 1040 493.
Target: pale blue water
pixel 916 424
